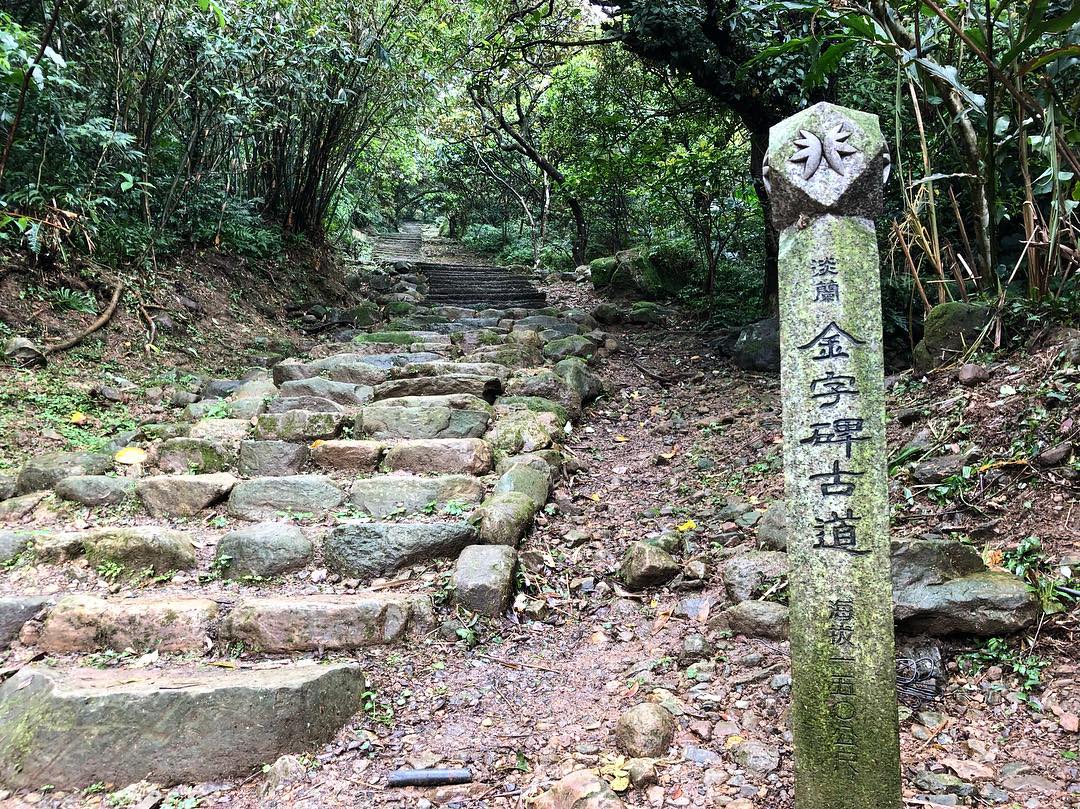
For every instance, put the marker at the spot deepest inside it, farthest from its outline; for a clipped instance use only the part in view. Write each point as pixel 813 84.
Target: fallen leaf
pixel 621 439
pixel 130 456
pixel 1070 722
pixel 77 417
pixel 969 770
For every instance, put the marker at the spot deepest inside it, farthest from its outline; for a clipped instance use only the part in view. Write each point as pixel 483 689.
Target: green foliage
pixel 1023 670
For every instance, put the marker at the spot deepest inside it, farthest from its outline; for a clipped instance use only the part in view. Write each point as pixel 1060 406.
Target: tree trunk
pixel 770 296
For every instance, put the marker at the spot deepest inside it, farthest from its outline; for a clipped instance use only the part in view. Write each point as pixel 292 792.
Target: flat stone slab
pixel 182 495
pixel 266 498
pixel 85 623
pixel 298 425
pixel 485 387
pixel 95 490
pixel 450 456
pixel 385 495
pixel 367 550
pixel 45 471
pixel 342 393
pixel 326 622
pixel 271 458
pixel 15 611
pixel 135 548
pixel 423 422
pixel 78 727
pixel 350 455
pixel 484 578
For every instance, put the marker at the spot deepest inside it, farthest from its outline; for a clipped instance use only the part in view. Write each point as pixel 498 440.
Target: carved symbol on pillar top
pixel 833 147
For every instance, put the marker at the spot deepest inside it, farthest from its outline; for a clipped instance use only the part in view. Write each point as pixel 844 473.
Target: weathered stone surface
pixel 178 455
pixel 528 479
pixel 271 458
pixel 456 401
pixel 74 728
pixel 950 329
pixel 484 387
pixel 504 518
pixel 757 758
pixel 95 490
pixel 646 565
pixel 263 550
pixel 266 498
pixel 757 619
pixel 343 393
pixel 16 611
pixel 45 471
pixel 546 385
pixel 358 369
pixel 970 375
pixel 749 574
pixel 135 548
pixel 376 549
pixel 347 455
pixel 18 508
pixel 942 587
pixel 758 346
pixel 443 367
pixel 226 432
pixel 182 495
pixel 583 789
pixel 316 404
pixel 772 530
pixel 326 622
pixel 537 404
pixel 424 422
pixel 465 456
pixel 86 623
pixel 645 731
pixel 576 374
pixel 484 578
pixel 524 431
pixel 13 543
pixel 571 346
pixel 935 470
pixel 384 495
pixel 298 425
pixel 7 487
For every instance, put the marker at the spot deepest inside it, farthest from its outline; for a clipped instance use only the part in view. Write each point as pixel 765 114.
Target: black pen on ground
pixel 428 778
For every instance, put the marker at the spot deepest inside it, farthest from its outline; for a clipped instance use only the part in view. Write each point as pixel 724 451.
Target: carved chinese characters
pixel 826 170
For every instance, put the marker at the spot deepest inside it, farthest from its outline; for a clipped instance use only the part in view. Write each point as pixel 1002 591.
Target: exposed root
pixel 106 316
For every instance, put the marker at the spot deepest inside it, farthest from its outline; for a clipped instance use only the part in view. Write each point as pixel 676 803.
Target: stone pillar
pixel 826 167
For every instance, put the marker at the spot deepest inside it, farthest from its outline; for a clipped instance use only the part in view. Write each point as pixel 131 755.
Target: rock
pixel 23 353
pixel 484 578
pixel 384 495
pixel 95 490
pixel 18 508
pixel 193 455
pixel 85 623
pixel 608 314
pixel 487 388
pixel 377 549
pixel 1056 455
pixel 182 495
pixel 750 574
pixel 134 548
pixel 316 404
pixel 342 393
pixel 347 455
pixel 380 421
pixel 935 470
pixel 452 456
pixel 642 771
pixel 12 544
pixel 7 487
pixel 298 425
pixel 942 587
pixel 950 329
pixel 757 619
pixel 15 611
pixel 504 518
pixel 576 374
pixel 583 789
pixel 971 375
pixel 757 758
pixel 326 622
pixel 263 550
pixel 271 458
pixel 528 480
pixel 571 346
pixel 758 346
pixel 78 727
pixel 772 530
pixel 265 498
pixel 546 385
pixel 645 731
pixel 282 772
pixel 646 565
pixel 523 431
pixel 223 432
pixel 44 471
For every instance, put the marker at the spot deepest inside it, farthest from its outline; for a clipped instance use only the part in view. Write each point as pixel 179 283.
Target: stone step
pixel 77 727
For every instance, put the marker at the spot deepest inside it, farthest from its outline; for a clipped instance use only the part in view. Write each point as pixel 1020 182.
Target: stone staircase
pixel 191 604
pixel 479 286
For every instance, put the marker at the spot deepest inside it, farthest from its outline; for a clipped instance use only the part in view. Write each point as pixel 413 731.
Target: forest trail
pixel 294 533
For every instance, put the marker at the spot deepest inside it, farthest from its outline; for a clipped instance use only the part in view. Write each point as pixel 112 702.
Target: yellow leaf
pixel 130 455
pixel 594 497
pixel 620 783
pixel 77 417
pixel 689 525
pixel 622 439
pixel 733 741
pixel 316 443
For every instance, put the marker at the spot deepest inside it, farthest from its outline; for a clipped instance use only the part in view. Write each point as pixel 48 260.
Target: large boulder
pixel 325 622
pixel 74 728
pixel 266 498
pixel 271 458
pixel 182 495
pixel 384 495
pixel 942 587
pixel 546 384
pixel 381 421
pixel 758 346
pixel 645 731
pixel 484 578
pixel 950 329
pixel 95 490
pixel 748 575
pixel 263 550
pixel 573 345
pixel 44 471
pixel 524 431
pixel 134 548
pixel 575 373
pixel 628 272
pixel 366 550
pixel 531 479
pixel 450 456
pixel 504 518
pixel 646 565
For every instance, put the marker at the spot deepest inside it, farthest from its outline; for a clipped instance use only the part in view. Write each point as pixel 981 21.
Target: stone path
pixel 172 605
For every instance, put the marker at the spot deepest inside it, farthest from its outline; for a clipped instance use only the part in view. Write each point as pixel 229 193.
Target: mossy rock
pixel 950 329
pixel 537 404
pixel 402 338
pixel 400 308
